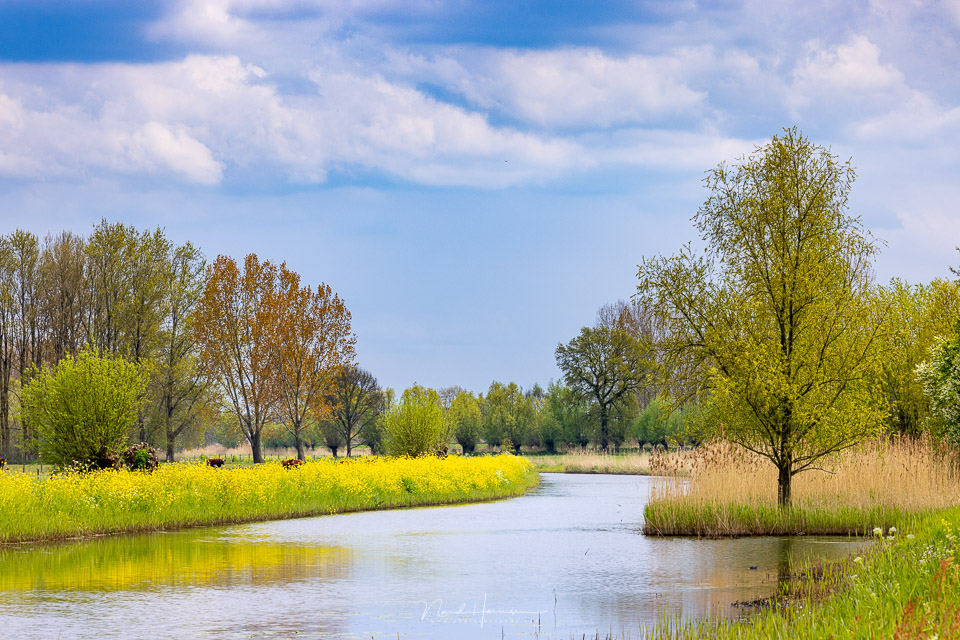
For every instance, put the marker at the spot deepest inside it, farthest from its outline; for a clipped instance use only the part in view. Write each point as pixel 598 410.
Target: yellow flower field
pixel 182 495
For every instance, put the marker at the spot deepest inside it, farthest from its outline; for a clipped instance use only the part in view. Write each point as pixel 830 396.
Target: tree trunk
pixel 334 451
pixel 298 437
pixel 603 428
pixel 169 450
pixel 785 476
pixel 255 449
pixel 348 446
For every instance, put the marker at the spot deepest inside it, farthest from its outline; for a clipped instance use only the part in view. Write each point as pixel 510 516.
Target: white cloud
pixel 564 87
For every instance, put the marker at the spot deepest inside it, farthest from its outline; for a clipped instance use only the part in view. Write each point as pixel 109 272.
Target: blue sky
pixel 474 178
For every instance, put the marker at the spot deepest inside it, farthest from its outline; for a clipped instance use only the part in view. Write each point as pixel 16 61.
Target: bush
pixel 415 425
pixel 83 408
pixel 139 457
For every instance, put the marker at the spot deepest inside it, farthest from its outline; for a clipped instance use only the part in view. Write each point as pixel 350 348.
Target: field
pixel 190 494
pixel 732 492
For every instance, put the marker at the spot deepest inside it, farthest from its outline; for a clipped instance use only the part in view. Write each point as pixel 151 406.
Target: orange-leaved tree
pixel 233 323
pixel 310 341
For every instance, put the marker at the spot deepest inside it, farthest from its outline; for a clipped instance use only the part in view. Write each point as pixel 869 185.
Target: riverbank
pixel 731 492
pixel 182 495
pixel 908 587
pixel 640 464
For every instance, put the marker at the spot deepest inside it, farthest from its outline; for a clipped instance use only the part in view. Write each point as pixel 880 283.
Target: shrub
pixel 415 425
pixel 82 409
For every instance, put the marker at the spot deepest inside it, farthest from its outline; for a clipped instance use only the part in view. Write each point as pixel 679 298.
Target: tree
pixel 916 315
pixel 940 376
pixel 310 339
pixel 508 416
pixel 777 310
pixel 415 426
pixel 355 402
pixel 465 420
pixel 64 293
pixel 83 409
pixel 232 325
pixel 180 388
pixel 605 365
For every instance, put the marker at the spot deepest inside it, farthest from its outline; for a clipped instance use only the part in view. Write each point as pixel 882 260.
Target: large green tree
pixel 605 365
pixel 940 377
pixel 465 420
pixel 508 415
pixel 777 310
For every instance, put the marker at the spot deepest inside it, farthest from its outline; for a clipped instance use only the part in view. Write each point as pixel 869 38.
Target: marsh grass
pixel 732 492
pixel 643 463
pixel 190 494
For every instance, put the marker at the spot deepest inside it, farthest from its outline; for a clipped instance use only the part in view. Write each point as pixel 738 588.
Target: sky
pixel 474 178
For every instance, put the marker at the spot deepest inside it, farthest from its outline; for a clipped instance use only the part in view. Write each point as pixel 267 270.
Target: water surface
pixel 565 560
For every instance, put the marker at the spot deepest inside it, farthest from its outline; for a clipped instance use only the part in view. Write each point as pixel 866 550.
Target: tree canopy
pixel 776 312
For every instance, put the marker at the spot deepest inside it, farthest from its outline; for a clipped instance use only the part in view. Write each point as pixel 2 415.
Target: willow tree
pixel 776 312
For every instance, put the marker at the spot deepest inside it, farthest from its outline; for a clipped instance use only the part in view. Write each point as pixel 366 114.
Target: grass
pixel 595 462
pixel 191 494
pixel 907 588
pixel 730 492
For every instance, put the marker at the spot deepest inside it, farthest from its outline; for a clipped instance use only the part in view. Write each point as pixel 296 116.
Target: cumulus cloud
pixel 582 87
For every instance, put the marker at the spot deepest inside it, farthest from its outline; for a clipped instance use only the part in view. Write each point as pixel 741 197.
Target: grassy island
pixel 191 494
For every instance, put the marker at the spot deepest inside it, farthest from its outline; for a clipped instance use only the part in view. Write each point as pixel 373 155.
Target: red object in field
pixel 292 463
pixel 216 463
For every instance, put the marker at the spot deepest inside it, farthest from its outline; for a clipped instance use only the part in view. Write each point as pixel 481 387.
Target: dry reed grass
pixel 733 492
pixel 666 463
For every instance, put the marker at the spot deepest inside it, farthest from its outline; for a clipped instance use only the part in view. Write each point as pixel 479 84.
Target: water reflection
pixel 566 560
pixel 199 558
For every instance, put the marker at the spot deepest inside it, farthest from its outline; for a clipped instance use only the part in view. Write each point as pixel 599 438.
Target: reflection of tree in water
pixel 785 549
pixel 150 560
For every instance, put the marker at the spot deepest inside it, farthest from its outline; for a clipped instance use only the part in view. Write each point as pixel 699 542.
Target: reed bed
pixel 656 463
pixel 731 492
pixel 190 494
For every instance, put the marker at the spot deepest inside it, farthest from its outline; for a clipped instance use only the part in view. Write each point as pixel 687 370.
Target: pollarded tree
pixel 605 365
pixel 465 420
pixel 777 310
pixel 508 416
pixel 83 409
pixel 415 426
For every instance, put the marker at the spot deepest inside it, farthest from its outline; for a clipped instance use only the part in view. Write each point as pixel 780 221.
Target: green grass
pixel 713 520
pixel 906 588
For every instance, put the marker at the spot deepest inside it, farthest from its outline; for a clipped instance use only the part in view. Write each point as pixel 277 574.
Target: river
pixel 564 560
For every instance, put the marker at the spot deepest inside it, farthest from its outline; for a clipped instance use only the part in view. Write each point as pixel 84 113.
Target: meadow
pixel 722 490
pixel 188 494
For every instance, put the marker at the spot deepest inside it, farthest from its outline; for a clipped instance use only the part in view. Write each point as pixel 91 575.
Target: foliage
pixel 310 340
pixel 508 415
pixel 777 311
pixel 233 325
pixel 564 417
pixel 187 494
pixel 414 425
pixel 940 377
pixel 355 403
pixel 916 316
pixel 662 423
pixel 605 366
pixel 83 409
pixel 465 420
pixel 139 457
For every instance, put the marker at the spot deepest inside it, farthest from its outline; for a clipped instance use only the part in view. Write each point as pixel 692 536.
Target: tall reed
pixel 733 492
